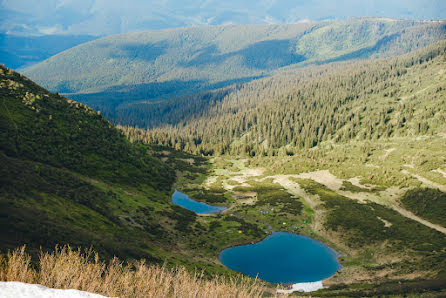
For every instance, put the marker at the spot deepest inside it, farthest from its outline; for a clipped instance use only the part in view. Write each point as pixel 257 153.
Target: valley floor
pixel 356 201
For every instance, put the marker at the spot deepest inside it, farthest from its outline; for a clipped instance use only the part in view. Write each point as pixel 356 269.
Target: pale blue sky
pixel 104 17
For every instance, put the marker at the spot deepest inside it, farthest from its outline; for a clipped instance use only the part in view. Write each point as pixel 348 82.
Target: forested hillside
pixel 111 72
pixel 63 165
pixel 68 176
pixel 402 96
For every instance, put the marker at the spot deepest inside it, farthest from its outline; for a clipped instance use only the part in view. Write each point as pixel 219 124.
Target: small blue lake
pixel 283 258
pixel 183 200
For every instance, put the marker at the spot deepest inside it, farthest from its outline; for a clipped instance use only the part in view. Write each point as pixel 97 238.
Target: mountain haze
pixel 23 51
pixel 159 65
pixel 95 17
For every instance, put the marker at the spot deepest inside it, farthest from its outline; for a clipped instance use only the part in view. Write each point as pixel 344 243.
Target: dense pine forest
pixel 300 109
pixel 120 75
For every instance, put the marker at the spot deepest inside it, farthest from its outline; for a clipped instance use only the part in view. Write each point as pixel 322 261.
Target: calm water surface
pixel 283 258
pixel 183 200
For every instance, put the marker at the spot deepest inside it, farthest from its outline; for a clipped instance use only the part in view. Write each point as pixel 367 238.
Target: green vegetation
pixel 331 151
pixel 338 103
pixel 348 186
pixel 415 288
pixel 272 196
pixel 368 224
pixel 50 129
pixel 69 177
pixel 180 64
pixel 212 197
pixel 66 174
pixel 427 203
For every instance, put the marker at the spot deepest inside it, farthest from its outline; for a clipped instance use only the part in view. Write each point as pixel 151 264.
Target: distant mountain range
pixel 62 164
pixel 109 73
pixel 93 17
pixel 18 52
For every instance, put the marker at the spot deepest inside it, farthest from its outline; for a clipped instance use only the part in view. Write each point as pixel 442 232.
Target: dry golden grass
pixel 66 268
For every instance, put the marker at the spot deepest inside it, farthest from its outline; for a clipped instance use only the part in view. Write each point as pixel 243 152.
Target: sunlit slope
pixel 69 176
pixel 393 97
pixel 168 63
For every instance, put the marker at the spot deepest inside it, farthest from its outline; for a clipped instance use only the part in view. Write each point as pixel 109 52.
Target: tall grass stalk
pixel 66 268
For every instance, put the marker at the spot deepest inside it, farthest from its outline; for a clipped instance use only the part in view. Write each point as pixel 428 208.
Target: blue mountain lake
pixel 183 200
pixel 283 258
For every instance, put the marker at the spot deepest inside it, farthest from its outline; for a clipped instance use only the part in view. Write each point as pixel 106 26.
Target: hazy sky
pixel 104 17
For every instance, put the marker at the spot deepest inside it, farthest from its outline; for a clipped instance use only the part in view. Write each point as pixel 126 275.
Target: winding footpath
pixel 408 214
pixel 324 177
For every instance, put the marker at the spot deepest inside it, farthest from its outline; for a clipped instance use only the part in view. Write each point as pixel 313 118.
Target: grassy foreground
pixel 66 268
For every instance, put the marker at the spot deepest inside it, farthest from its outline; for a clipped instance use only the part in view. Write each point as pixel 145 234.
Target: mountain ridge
pixel 338 102
pixel 171 63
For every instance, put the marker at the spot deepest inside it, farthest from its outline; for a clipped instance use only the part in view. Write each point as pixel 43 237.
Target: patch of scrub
pixel 210 180
pixel 190 161
pixel 239 195
pixel 130 221
pixel 247 201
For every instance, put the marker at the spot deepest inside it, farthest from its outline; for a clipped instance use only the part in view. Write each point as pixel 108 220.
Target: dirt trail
pixel 324 177
pixel 426 181
pixel 388 151
pixel 440 171
pixel 404 98
pixel 412 216
pixel 356 182
pixel 294 188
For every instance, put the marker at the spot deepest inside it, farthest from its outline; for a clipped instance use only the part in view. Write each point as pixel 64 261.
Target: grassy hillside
pixel 66 268
pixel 68 176
pixel 171 63
pixel 62 167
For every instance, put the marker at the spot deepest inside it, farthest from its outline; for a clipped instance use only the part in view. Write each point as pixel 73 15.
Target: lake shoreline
pixel 199 208
pixel 305 259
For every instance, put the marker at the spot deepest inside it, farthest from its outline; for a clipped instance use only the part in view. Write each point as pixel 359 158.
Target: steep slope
pixel 365 101
pixel 64 174
pixel 68 176
pixel 47 128
pixel 169 63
